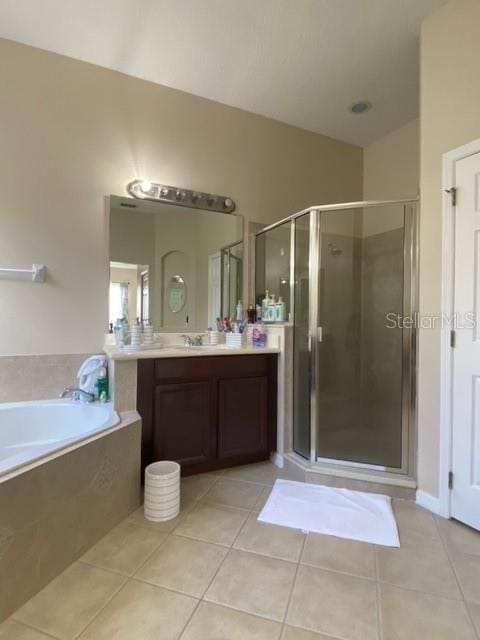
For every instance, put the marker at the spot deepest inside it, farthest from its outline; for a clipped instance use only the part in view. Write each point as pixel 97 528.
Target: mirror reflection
pixel 176 293
pixel 178 267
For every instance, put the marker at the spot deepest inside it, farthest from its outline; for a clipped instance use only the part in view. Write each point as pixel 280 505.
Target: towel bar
pixel 38 272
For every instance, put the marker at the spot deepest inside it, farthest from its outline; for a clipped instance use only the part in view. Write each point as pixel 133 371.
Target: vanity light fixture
pixel 146 190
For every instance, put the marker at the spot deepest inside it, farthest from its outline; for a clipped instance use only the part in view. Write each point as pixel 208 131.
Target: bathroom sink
pixel 182 347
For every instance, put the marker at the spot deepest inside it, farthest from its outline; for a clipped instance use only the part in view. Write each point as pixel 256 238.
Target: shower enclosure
pixel 231 278
pixel 348 275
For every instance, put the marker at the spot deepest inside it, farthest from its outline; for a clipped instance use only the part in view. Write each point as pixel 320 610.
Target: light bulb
pixel 146 186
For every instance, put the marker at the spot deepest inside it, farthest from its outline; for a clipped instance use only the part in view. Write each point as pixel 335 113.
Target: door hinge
pixel 453 338
pixel 450 480
pixel 453 195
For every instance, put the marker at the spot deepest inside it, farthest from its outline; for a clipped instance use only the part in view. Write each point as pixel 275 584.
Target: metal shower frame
pixel 409 337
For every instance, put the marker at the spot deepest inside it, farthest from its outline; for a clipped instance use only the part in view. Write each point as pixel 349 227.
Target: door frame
pixel 449 161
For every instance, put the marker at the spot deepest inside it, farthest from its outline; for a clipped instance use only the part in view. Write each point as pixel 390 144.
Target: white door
pixel 465 495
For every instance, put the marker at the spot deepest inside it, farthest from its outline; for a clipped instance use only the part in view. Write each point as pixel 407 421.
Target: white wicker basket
pixel 235 340
pixel 162 491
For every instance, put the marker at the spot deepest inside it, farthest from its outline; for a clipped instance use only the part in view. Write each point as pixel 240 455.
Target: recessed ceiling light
pixel 362 106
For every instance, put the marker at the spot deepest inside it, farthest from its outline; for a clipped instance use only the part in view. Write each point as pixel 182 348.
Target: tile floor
pixel 215 573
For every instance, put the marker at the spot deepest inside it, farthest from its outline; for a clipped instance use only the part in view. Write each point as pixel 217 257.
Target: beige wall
pixel 72 133
pixel 450 117
pixel 391 171
pixel 391 165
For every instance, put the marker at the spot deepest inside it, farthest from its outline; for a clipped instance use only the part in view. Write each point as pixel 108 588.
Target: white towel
pixel 355 515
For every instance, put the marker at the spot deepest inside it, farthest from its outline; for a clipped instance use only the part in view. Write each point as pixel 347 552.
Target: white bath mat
pixel 367 517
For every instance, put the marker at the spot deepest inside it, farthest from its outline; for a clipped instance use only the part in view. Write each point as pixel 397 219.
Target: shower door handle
pixel 319 338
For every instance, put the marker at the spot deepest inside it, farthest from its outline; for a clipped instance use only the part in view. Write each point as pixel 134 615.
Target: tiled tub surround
pixel 38 377
pixel 52 511
pixel 216 572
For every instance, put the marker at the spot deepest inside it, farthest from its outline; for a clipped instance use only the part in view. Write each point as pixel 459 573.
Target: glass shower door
pixel 231 277
pixel 359 349
pixel 347 276
pixel 301 340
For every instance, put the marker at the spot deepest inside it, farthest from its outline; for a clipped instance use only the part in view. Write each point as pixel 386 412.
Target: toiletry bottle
pixel 136 334
pixel 148 337
pixel 265 305
pixel 271 309
pixel 119 333
pixel 125 329
pixel 101 385
pixel 259 335
pixel 280 308
pixel 239 317
pixel 251 314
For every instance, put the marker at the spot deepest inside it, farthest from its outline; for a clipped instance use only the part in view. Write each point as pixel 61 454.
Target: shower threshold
pixel 350 477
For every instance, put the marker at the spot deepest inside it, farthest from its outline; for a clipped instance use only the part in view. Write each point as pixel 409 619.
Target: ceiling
pixel 303 62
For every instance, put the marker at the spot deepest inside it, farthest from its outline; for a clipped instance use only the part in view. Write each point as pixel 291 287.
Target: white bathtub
pixel 30 431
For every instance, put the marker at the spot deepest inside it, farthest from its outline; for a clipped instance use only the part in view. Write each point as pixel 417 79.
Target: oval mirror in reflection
pixel 176 293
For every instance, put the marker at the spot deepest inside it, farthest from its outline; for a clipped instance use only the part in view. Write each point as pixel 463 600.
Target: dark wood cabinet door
pixel 208 412
pixel 183 423
pixel 242 417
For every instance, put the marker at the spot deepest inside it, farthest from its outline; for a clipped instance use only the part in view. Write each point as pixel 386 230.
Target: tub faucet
pixel 77 395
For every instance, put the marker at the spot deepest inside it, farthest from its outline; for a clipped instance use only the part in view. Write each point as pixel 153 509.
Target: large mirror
pixel 178 267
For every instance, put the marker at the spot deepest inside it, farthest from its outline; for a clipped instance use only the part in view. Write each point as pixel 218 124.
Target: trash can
pixel 162 491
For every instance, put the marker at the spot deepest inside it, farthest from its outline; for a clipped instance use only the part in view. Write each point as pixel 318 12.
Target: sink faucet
pixel 77 395
pixel 188 341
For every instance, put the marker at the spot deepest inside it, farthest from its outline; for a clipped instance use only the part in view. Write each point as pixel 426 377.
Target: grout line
pixel 432 594
pixel 127 580
pixel 331 570
pixel 377 589
pixel 202 598
pixel 290 594
pixel 109 600
pixel 455 573
pixel 322 634
pixel 243 481
pixel 183 629
pixel 163 587
pixel 246 611
pixel 115 572
pixel 30 626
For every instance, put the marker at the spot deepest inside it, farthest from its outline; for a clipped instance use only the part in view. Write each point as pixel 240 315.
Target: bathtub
pixel 68 474
pixel 30 431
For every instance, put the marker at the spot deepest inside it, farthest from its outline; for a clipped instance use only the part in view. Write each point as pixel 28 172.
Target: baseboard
pixel 427 501
pixel 277 460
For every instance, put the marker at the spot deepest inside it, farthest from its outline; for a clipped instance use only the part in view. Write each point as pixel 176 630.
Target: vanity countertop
pixel 174 351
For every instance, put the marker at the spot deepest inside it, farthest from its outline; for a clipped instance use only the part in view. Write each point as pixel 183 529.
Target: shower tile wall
pixel 381 347
pixel 359 375
pixel 339 352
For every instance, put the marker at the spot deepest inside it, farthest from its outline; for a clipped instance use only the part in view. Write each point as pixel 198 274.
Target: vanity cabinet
pixel 208 412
